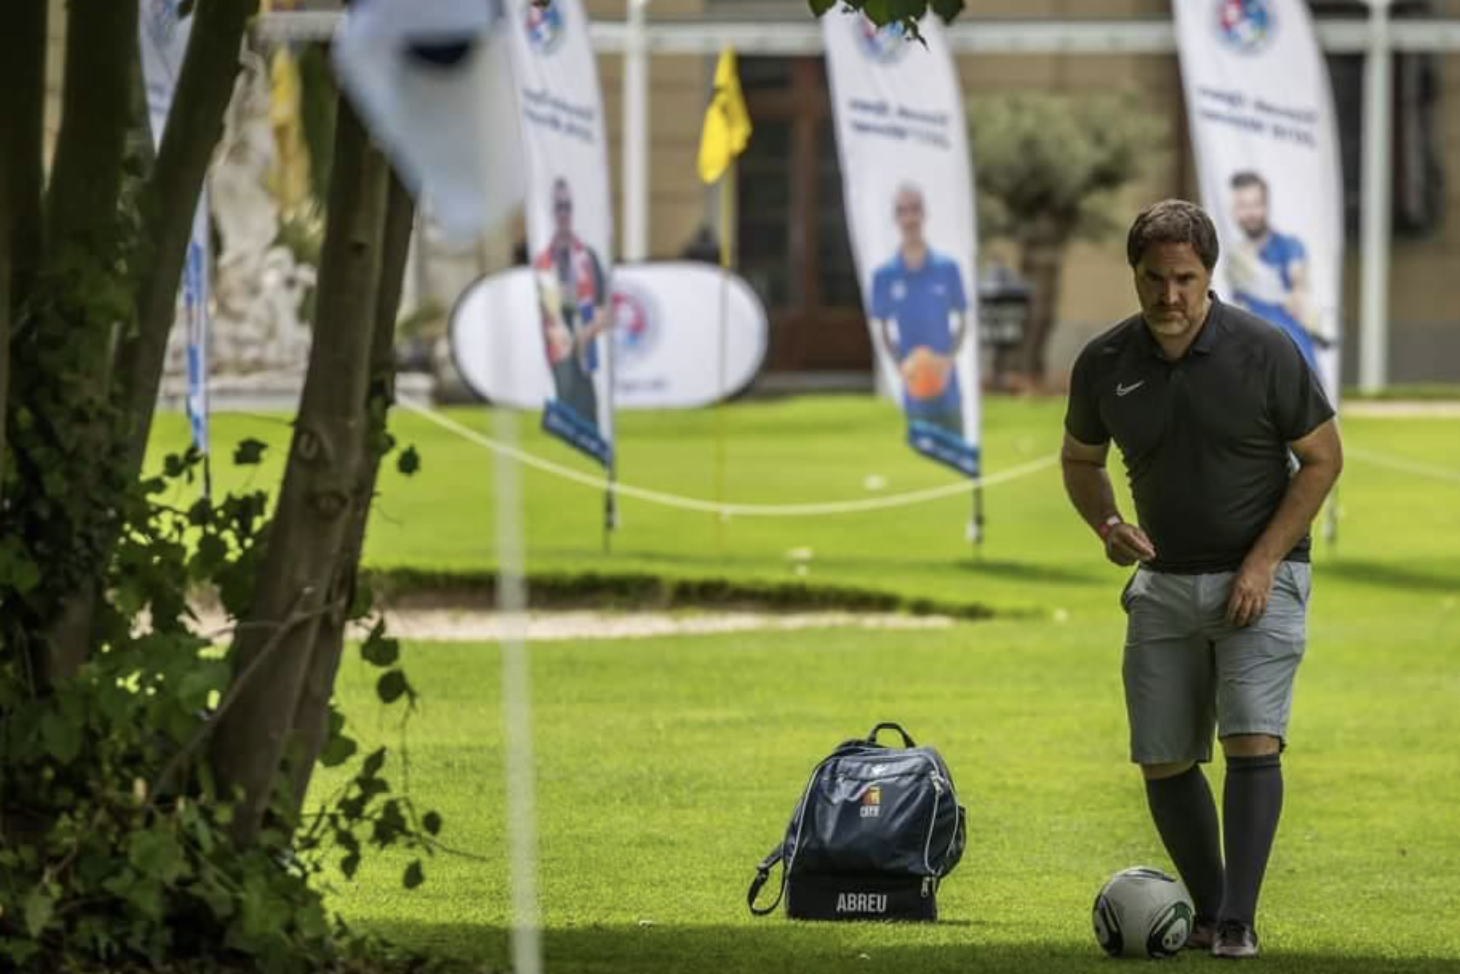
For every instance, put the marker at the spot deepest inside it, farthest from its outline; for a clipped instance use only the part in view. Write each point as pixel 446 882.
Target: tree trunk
pixel 1041 259
pixel 84 241
pixel 22 115
pixel 296 574
pixel 311 719
pixel 101 56
pixel 22 173
pixel 86 175
pixel 169 199
pixel 4 307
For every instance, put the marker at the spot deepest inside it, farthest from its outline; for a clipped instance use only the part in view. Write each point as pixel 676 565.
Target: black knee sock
pixel 1186 817
pixel 1251 804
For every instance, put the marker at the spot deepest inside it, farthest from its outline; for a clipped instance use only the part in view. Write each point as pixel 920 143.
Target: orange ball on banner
pixel 925 373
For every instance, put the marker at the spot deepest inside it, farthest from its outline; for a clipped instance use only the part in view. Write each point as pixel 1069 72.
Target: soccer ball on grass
pixel 1142 912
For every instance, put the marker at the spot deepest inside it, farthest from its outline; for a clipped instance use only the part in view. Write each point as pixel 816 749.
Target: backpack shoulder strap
pixel 762 874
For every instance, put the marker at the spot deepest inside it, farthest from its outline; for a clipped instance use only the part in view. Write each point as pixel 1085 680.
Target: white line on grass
pixel 1402 465
pixel 908 499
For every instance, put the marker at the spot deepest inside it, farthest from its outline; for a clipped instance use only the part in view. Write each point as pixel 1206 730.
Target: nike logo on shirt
pixel 1122 390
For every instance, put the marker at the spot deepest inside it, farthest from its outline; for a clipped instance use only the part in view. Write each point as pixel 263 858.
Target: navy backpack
pixel 876 830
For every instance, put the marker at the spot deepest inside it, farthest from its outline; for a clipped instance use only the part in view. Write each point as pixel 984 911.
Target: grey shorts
pixel 1187 673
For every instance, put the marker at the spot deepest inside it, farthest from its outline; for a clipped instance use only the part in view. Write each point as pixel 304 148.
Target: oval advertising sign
pixel 666 333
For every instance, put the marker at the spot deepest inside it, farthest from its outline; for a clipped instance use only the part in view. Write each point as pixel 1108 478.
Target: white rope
pixel 732 510
pixel 1403 466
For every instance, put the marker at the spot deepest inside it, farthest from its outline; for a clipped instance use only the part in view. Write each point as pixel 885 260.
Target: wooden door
pixel 791 224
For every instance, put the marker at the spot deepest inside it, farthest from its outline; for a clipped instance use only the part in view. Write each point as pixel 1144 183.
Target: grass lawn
pixel 669 766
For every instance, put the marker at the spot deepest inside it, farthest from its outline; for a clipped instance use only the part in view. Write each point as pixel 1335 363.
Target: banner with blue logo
pixel 1265 140
pixel 569 216
pixel 164 36
pixel 666 348
pixel 908 183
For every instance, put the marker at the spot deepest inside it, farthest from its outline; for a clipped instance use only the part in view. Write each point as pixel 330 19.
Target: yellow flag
pixel 727 123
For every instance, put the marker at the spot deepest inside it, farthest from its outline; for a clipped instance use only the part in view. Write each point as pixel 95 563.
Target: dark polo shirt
pixel 1205 438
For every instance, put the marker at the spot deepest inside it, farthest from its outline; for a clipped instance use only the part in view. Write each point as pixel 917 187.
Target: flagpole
pixel 727 261
pixel 610 503
pixel 975 388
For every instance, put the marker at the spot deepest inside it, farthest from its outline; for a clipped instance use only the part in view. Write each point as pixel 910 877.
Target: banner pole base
pixel 976 526
pixel 610 519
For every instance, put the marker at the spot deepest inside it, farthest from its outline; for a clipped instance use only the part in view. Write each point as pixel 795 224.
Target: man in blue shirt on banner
pixel 1268 270
pixel 920 308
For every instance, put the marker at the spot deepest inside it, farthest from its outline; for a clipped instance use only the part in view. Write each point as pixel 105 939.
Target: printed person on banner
pixel 1268 270
pixel 573 294
pixel 919 310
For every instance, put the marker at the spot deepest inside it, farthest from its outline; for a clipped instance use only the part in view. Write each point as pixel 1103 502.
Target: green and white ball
pixel 1143 913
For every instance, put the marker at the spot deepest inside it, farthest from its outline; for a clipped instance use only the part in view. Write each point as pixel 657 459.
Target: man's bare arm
pixel 1320 454
pixel 1087 483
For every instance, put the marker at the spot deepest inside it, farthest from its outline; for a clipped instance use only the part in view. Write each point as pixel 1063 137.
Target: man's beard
pixel 1255 231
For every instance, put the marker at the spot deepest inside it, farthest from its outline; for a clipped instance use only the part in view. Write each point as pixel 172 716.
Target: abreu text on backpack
pixel 876 831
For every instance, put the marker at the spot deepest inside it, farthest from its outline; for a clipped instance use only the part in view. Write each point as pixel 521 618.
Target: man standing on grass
pixel 1209 406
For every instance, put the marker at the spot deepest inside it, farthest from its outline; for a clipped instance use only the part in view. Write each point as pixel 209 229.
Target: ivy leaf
pixel 156 855
pixel 175 465
pixel 249 452
pixel 390 824
pixel 878 11
pixel 908 10
pixel 39 908
pixel 431 822
pixel 415 875
pixel 947 9
pixel 337 751
pixel 819 7
pixel 17 569
pixel 392 686
pixel 379 650
pixel 373 763
pixel 200 513
pixel 62 737
pixel 409 461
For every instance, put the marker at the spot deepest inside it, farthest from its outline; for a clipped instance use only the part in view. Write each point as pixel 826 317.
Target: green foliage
pixel 881 12
pixel 114 843
pixel 1056 158
pixel 249 451
pixel 409 461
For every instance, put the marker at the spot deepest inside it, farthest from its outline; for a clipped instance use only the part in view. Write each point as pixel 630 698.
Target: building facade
pixel 792 235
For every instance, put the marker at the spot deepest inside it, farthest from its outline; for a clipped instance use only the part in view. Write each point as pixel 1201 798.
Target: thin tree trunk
pixel 22 117
pixel 311 719
pixel 86 175
pixel 305 538
pixel 169 199
pixel 4 307
pixel 82 224
pixel 85 186
pixel 1041 260
pixel 22 173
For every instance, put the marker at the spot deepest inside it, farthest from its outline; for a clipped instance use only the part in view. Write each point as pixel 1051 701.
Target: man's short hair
pixel 1246 178
pixel 908 189
pixel 1173 221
